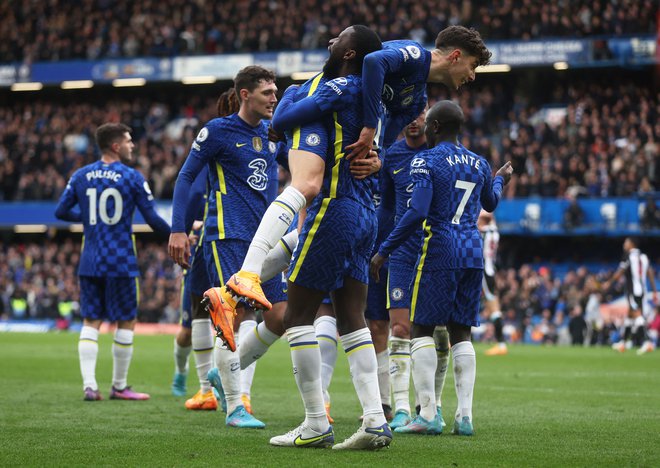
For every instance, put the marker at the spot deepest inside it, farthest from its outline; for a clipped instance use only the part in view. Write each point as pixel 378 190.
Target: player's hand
pixel 505 171
pixel 376 264
pixel 179 249
pixel 360 148
pixel 363 168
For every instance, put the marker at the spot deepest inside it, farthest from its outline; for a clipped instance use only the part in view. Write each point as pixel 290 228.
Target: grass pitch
pixel 537 406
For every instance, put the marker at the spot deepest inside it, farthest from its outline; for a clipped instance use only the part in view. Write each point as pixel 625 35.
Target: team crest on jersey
pixel 257 144
pixel 313 139
pixel 272 147
pixel 414 51
pixel 202 135
pixel 396 294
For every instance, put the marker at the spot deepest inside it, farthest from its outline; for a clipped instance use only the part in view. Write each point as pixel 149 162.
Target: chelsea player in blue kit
pixel 451 185
pixel 107 193
pixel 243 181
pixel 398 74
pixel 334 246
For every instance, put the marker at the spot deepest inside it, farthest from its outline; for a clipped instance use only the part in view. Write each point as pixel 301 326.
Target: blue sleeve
pixel 145 202
pixel 204 148
pixel 196 200
pixel 66 207
pixel 290 115
pixel 420 202
pixel 386 209
pixel 491 191
pixel 376 66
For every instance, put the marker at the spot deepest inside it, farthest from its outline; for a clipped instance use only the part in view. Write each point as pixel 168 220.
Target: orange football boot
pixel 202 401
pixel 248 285
pixel 221 306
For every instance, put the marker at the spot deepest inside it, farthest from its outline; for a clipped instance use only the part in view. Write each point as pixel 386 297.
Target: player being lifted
pixel 107 193
pixel 403 67
pixel 451 184
pixel 488 227
pixel 242 182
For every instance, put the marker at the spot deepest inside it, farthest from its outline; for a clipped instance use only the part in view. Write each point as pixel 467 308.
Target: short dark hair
pixel 228 103
pixel 469 40
pixel 365 41
pixel 250 77
pixel 109 133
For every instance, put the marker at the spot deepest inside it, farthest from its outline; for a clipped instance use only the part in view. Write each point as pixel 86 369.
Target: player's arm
pixel 492 189
pixel 650 272
pixel 617 274
pixel 376 65
pixel 420 202
pixel 196 200
pixel 145 203
pixel 66 207
pixel 203 148
pixel 385 211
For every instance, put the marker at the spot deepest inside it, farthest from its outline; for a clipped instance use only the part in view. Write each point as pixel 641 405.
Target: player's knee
pixel 401 329
pixel 309 188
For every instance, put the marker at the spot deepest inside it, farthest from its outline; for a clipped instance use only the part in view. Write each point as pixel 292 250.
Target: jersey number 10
pixel 103 206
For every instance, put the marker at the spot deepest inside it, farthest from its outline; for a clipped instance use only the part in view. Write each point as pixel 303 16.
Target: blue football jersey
pixel 341 101
pixel 461 180
pixel 397 180
pixel 403 68
pixel 242 177
pixel 107 195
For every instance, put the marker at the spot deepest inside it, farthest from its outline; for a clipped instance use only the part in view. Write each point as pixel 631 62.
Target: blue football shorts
pixel 109 298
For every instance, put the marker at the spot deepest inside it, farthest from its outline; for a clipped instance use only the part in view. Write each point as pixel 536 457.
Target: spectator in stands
pixel 650 217
pixel 574 215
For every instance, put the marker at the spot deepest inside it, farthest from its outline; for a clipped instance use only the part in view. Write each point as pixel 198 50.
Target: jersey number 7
pixel 468 187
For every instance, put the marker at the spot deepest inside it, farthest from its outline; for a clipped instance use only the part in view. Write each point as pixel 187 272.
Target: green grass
pixel 537 406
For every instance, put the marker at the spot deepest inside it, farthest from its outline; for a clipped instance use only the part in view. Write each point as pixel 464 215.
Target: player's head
pixel 348 50
pixel 114 140
pixel 630 243
pixel 464 51
pixel 415 128
pixel 256 91
pixel 443 122
pixel 227 103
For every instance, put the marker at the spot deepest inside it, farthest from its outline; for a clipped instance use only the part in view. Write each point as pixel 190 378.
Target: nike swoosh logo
pixel 238 145
pixel 380 430
pixel 300 441
pixel 397 171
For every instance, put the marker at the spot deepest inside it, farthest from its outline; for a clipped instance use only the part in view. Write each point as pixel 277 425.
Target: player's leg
pixel 302 306
pixel 378 321
pixel 122 297
pixel 465 316
pixel 399 348
pixel 202 344
pixel 306 179
pixel 93 311
pixel 441 339
pixel 227 377
pixel 325 327
pixel 432 294
pixel 640 331
pixel 350 302
pixel 254 344
pixel 494 313
pixel 246 322
pixel 183 342
pixel 201 333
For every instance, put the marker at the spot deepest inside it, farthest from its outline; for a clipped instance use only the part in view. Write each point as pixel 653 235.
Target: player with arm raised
pixel 451 184
pixel 106 194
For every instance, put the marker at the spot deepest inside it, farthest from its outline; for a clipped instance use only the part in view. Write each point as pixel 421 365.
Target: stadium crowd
pixel 61 30
pixel 602 142
pixel 38 280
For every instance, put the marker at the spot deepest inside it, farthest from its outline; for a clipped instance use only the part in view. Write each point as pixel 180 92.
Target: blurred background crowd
pixel 580 133
pixel 35 30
